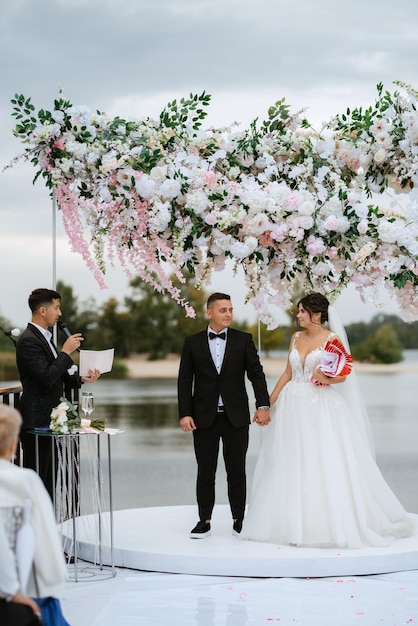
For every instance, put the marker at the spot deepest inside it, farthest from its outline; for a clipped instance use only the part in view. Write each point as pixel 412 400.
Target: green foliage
pixel 178 115
pixel 383 346
pixel 6 344
pixel 407 332
pixel 277 339
pixel 158 324
pixel 8 367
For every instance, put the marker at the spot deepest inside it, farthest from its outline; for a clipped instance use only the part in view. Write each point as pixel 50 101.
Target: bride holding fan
pixel 316 481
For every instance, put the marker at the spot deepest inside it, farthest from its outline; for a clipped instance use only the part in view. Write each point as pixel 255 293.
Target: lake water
pixel 153 460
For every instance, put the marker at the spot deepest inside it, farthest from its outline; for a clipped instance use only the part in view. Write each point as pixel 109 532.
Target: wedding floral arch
pixel 296 208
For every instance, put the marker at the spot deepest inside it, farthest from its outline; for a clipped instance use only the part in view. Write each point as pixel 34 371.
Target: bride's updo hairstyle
pixel 315 303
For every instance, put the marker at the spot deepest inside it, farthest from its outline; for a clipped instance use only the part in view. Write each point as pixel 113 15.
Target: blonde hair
pixel 10 423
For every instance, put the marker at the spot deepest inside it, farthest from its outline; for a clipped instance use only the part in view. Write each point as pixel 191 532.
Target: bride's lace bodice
pixel 302 372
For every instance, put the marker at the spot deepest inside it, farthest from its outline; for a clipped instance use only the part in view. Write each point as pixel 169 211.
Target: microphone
pixel 65 330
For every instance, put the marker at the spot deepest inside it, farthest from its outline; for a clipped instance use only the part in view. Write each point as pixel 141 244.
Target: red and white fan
pixel 335 360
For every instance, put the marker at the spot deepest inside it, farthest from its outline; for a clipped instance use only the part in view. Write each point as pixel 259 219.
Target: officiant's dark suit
pixel 44 376
pixel 213 403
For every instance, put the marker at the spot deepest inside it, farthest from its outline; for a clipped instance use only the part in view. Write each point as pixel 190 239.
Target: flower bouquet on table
pixel 335 361
pixel 65 420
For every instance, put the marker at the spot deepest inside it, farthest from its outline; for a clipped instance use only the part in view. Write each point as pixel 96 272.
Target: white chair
pixel 16 529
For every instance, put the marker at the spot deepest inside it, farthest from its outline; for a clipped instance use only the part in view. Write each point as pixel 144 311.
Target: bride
pixel 316 482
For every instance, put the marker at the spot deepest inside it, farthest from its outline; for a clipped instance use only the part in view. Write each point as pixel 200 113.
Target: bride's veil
pixel 350 389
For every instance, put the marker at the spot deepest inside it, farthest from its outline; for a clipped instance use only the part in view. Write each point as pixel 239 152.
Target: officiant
pixel 45 377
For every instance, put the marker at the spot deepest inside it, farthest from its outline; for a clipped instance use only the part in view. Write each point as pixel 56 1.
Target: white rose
pixel 158 174
pixel 125 175
pixel 388 231
pixel 362 227
pixel 331 222
pixel 109 165
pixel 234 172
pixel 197 201
pixel 58 116
pixel 170 188
pixel 145 186
pixel 105 194
pixel 240 250
pixel 380 156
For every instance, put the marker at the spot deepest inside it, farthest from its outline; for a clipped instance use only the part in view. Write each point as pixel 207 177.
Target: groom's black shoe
pixel 201 530
pixel 237 527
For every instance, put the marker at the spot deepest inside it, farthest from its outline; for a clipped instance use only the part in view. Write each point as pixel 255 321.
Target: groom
pixel 213 403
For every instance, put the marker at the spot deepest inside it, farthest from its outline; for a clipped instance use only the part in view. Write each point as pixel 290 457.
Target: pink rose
pixel 362 227
pixel 209 178
pixel 266 239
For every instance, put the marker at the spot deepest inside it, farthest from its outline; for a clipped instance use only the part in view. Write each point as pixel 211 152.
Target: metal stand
pixel 69 474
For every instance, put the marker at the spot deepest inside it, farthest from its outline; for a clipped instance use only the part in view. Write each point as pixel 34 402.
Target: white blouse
pixel 17 485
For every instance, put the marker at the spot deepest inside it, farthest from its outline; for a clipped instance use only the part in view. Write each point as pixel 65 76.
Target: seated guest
pixel 16 609
pixel 18 486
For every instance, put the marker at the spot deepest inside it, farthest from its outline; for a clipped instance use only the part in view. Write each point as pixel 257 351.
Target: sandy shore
pixel 140 367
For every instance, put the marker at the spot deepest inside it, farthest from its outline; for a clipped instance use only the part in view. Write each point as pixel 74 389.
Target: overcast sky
pixel 129 58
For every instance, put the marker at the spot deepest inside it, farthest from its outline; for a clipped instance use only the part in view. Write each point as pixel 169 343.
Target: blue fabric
pixel 51 611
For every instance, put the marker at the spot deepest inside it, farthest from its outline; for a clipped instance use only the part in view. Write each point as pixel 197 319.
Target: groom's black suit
pixel 199 389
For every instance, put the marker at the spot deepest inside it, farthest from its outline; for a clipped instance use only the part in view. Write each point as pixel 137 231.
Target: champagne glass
pixel 87 403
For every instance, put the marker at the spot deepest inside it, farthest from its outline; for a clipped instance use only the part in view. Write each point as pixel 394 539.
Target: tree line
pixel 148 322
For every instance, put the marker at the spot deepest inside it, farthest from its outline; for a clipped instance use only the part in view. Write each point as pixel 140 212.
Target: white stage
pixel 157 540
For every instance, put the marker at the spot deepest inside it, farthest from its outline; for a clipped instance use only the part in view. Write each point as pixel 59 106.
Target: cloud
pixel 131 57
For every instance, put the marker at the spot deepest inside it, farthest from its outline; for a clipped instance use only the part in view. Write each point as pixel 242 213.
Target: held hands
pixel 19 598
pixel 262 417
pixel 187 424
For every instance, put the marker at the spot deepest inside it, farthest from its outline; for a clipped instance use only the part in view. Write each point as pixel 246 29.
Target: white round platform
pixel 157 539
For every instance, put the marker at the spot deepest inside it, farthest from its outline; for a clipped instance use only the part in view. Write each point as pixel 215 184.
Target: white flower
pixel 58 116
pixel 380 156
pixel 321 269
pixel 66 165
pixel 158 174
pixel 125 175
pixel 361 209
pixel 210 218
pixel 197 201
pixel 161 217
pixel 305 221
pixel 105 194
pixel 279 231
pixel 379 126
pixel 221 242
pixel 246 160
pixel 331 222
pixel 388 231
pixel 362 227
pixel 240 250
pixel 364 252
pixel 234 172
pixel 109 165
pixel 80 112
pixel 145 186
pixel 170 188
pixel 258 224
pixel 315 245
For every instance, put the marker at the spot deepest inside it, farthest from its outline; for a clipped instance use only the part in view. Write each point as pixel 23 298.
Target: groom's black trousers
pixel 206 446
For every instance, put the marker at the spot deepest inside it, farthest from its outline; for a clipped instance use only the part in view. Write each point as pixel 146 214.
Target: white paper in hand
pixel 101 360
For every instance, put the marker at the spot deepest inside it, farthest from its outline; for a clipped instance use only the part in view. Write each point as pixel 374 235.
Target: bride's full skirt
pixel 316 483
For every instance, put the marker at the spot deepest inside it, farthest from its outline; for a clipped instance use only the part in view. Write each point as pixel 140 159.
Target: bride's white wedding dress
pixel 316 482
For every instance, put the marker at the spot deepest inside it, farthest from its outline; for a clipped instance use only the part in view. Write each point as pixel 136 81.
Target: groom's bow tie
pixel 220 335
